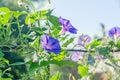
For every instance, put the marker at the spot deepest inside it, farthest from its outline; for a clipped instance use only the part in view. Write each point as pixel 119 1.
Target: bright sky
pixel 86 15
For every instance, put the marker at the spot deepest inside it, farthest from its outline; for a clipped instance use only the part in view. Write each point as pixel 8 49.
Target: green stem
pixel 39 23
pixel 8 69
pixel 48 72
pixel 19 31
pixel 48 69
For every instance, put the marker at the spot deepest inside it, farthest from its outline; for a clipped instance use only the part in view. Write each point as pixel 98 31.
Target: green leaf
pixel 27 37
pixel 49 12
pixel 44 63
pixel 17 14
pixel 62 63
pixel 5 79
pixel 118 44
pixel 31 18
pixel 114 60
pixel 83 70
pixel 65 37
pixel 5 18
pixel 94 44
pixel 56 31
pixel 60 56
pixel 4 60
pixel 68 42
pixel 4 9
pixel 56 76
pixel 54 20
pixel 5 15
pixel 33 67
pixel 1 73
pixel 44 29
pixel 111 43
pixel 1 54
pixel 37 30
pixel 103 50
pixel 42 14
pixel 36 43
pixel 17 63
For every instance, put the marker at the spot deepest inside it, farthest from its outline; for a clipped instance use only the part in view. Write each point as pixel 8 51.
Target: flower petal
pixel 115 31
pixel 67 26
pixel 76 56
pixel 52 44
pixel 84 40
pixel 73 30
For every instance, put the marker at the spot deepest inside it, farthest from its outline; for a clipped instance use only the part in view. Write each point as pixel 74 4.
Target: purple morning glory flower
pixel 50 44
pixel 83 40
pixel 67 26
pixel 76 56
pixel 114 32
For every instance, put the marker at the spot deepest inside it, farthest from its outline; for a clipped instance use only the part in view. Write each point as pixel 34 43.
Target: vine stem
pixel 81 50
pixel 48 69
pixel 48 72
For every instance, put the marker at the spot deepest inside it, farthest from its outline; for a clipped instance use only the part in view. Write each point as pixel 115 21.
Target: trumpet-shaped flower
pixel 76 56
pixel 50 44
pixel 114 32
pixel 67 26
pixel 83 40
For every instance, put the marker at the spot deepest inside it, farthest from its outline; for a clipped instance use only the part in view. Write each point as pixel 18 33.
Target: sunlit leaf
pixel 83 70
pixel 4 9
pixel 5 60
pixel 56 76
pixel 94 44
pixel 5 79
pixel 31 18
pixel 5 18
pixel 60 56
pixel 17 14
pixel 56 30
pixel 42 14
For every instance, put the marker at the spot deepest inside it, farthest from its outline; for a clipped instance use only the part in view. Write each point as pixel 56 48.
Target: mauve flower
pixel 50 44
pixel 76 56
pixel 114 32
pixel 83 40
pixel 67 26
